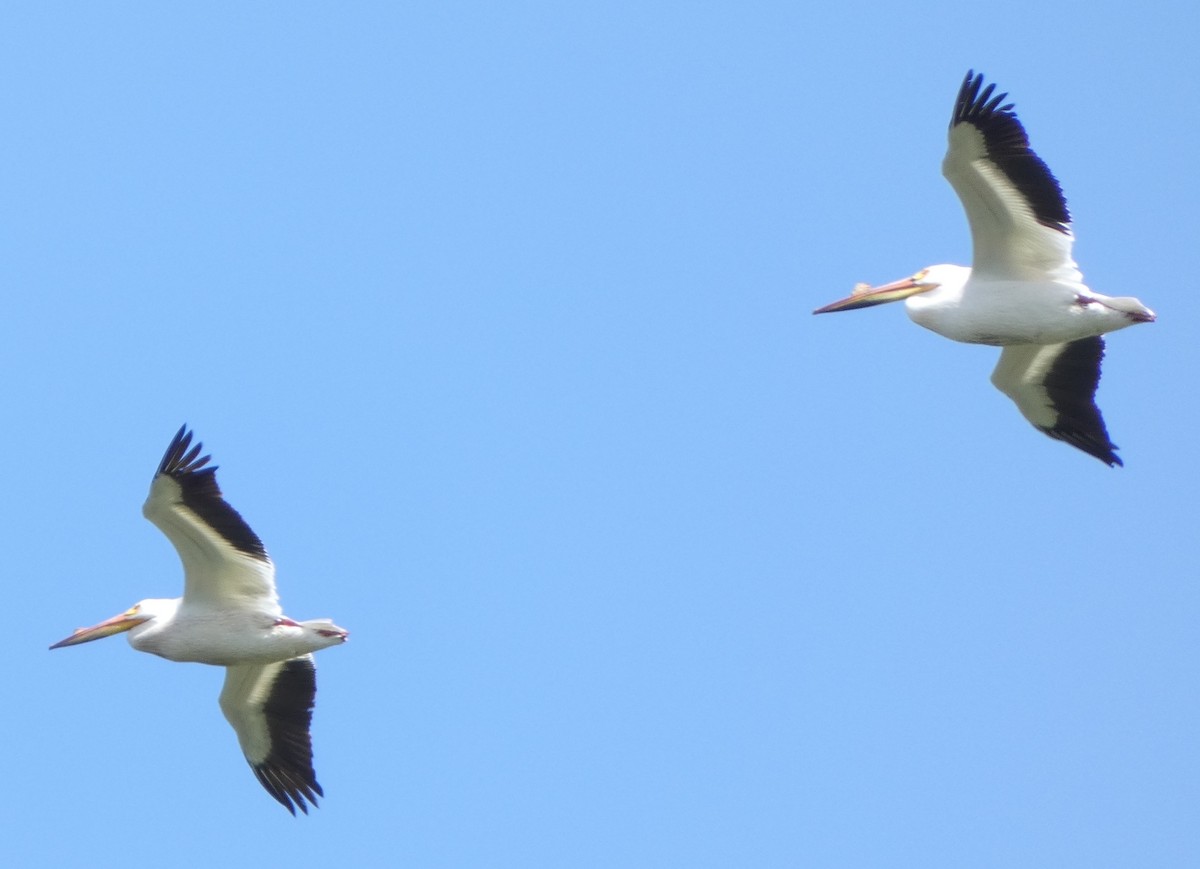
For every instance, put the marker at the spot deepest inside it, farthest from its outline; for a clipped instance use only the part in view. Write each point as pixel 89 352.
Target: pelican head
pixel 138 614
pixel 927 279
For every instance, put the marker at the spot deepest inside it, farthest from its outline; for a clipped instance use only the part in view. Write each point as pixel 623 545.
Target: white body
pixel 209 633
pixel 979 309
pixel 1024 292
pixel 230 616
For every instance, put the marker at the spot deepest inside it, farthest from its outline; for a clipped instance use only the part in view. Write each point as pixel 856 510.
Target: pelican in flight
pixel 1023 292
pixel 230 616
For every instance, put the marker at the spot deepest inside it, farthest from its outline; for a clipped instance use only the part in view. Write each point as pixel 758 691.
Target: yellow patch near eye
pixel 133 610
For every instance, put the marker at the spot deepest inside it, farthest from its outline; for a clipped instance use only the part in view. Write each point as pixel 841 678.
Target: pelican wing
pixel 224 562
pixel 1020 226
pixel 270 707
pixel 1054 387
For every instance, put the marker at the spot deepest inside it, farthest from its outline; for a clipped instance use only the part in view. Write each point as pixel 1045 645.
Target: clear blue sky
pixel 496 318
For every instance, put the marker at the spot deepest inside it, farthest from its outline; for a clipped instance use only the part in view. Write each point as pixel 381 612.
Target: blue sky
pixel 496 318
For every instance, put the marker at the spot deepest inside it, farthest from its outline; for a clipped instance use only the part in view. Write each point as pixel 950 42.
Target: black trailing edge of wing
pixel 1071 385
pixel 202 495
pixel 1008 147
pixel 287 773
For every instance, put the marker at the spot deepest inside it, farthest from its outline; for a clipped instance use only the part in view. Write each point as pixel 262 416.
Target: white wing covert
pixel 270 708
pixel 1020 225
pixel 1054 387
pixel 223 559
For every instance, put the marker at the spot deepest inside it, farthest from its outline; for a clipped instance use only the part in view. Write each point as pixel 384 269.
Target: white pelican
pixel 1023 292
pixel 230 616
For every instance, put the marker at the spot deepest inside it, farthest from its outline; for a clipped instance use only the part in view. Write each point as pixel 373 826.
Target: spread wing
pixel 223 559
pixel 1054 387
pixel 1020 226
pixel 270 707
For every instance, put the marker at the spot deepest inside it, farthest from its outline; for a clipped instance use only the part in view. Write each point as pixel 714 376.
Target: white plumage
pixel 230 616
pixel 1023 292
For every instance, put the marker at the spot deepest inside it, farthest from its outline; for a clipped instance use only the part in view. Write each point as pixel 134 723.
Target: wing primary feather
pixel 271 710
pixel 201 494
pixel 1008 147
pixel 176 458
pixel 1071 385
pixel 1054 387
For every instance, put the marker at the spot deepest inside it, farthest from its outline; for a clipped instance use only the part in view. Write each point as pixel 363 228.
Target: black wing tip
pixel 1071 386
pixel 1104 450
pixel 292 789
pixel 1008 145
pixel 287 772
pixel 178 460
pixel 975 102
pixel 197 480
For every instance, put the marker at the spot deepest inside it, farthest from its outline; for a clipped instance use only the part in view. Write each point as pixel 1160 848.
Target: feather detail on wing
pixel 223 559
pixel 270 708
pixel 1054 387
pixel 1020 225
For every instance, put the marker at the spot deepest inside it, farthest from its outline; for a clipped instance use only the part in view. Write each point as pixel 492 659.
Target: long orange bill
pixel 865 296
pixel 108 627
